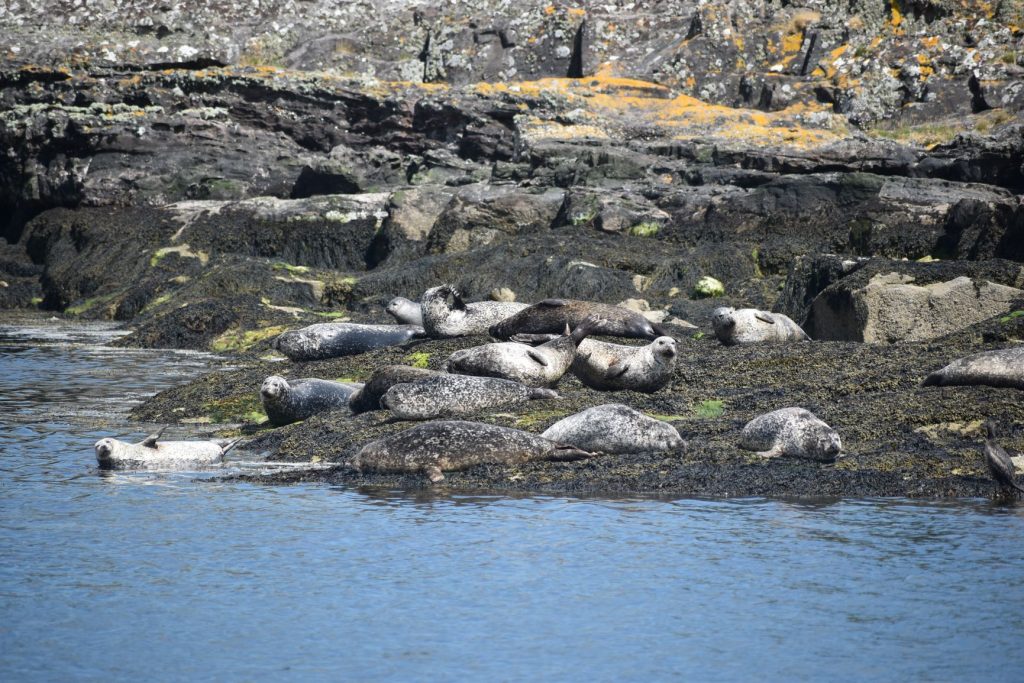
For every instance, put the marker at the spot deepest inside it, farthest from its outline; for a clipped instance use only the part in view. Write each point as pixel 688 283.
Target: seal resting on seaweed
pixel 1002 368
pixel 549 317
pixel 435 447
pixel 331 340
pixel 445 314
pixel 605 366
pixel 286 402
pixel 615 428
pixel 795 432
pixel 457 396
pixel 750 326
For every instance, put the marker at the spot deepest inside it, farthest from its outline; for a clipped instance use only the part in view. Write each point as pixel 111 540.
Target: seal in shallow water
pixel 434 447
pixel 749 326
pixel 330 340
pixel 615 428
pixel 534 366
pixel 601 365
pixel 286 402
pixel 552 315
pixel 1002 368
pixel 382 379
pixel 457 396
pixel 406 312
pixel 153 454
pixel 445 314
pixel 795 432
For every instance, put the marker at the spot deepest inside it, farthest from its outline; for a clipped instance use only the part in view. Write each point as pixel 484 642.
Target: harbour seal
pixel 615 428
pixel 1000 466
pixel 406 312
pixel 749 325
pixel 1002 368
pixel 330 340
pixel 534 366
pixel 795 432
pixel 434 447
pixel 382 379
pixel 550 316
pixel 456 396
pixel 601 365
pixel 445 314
pixel 286 402
pixel 153 454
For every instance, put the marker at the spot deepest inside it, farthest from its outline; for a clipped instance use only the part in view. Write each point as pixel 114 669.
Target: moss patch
pixel 242 340
pixel 246 408
pixel 417 359
pixel 289 268
pixel 1011 316
pixel 645 229
pixel 709 409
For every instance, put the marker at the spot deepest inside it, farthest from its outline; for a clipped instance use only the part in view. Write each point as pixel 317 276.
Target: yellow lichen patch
pixel 895 17
pixel 182 250
pixel 243 340
pixel 930 41
pixel 792 42
pixel 839 51
pixel 576 12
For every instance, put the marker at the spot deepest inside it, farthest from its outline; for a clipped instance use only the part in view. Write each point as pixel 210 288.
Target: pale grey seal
pixel 406 312
pixel 615 428
pixel 456 396
pixel 552 315
pixel 534 366
pixel 1000 466
pixel 749 325
pixel 330 340
pixel 795 432
pixel 433 447
pixel 457 319
pixel 286 402
pixel 382 379
pixel 153 454
pixel 1002 368
pixel 601 365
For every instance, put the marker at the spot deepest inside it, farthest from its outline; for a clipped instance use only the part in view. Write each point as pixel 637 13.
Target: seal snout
pixel 104 447
pixel 273 386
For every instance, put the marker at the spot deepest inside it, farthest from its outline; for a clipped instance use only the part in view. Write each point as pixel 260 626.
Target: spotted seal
pixel 1002 368
pixel 434 447
pixel 615 428
pixel 749 326
pixel 1000 466
pixel 382 379
pixel 795 432
pixel 537 322
pixel 534 366
pixel 605 366
pixel 445 314
pixel 406 312
pixel 457 396
pixel 286 402
pixel 330 340
pixel 153 454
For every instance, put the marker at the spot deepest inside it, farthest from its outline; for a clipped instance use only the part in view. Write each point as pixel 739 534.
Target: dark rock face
pixel 213 174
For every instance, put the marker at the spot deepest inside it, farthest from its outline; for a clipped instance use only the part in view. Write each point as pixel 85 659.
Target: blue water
pixel 129 577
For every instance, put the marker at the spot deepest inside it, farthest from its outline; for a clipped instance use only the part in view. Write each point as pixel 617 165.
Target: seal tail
pixel 932 380
pixel 660 330
pixel 566 453
pixel 231 445
pixel 538 394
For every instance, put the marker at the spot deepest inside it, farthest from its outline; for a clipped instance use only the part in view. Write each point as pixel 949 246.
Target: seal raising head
pixel 605 366
pixel 405 311
pixel 445 314
pixel 286 402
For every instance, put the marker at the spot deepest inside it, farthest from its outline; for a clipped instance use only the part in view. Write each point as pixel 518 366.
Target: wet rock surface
pixel 212 175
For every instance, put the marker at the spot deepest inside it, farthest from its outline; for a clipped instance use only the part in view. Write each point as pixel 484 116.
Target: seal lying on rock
pixel 286 402
pixel 382 379
pixel 1002 368
pixel 534 366
pixel 615 428
pixel 601 365
pixel 795 432
pixel 457 319
pixel 749 325
pixel 406 312
pixel 552 315
pixel 1000 466
pixel 153 454
pixel 330 340
pixel 434 447
pixel 457 396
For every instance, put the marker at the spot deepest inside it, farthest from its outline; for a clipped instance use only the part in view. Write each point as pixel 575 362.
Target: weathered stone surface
pixel 891 308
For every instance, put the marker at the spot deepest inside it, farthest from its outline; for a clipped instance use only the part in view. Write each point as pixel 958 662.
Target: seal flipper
pixel 523 338
pixel 540 394
pixel 433 473
pixel 773 452
pixel 616 370
pixel 457 302
pixel 537 357
pixel 565 453
pixel 150 441
pixel 764 317
pixel 553 303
